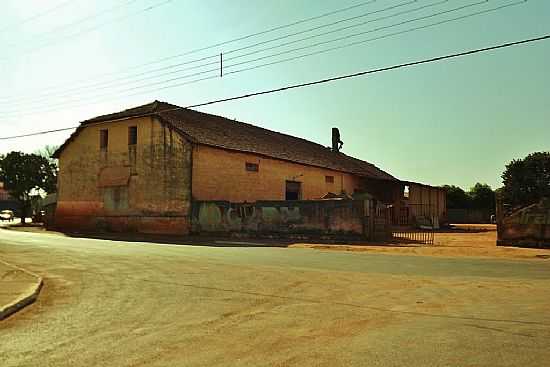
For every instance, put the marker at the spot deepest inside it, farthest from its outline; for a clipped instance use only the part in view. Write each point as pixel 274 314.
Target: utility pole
pixel 221 65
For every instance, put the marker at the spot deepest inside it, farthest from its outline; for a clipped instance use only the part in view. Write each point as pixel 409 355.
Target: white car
pixel 6 215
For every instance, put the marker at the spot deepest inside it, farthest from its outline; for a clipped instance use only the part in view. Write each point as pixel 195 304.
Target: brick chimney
pixel 336 142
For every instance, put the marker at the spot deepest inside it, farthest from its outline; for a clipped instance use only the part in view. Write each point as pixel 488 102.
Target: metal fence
pixel 414 236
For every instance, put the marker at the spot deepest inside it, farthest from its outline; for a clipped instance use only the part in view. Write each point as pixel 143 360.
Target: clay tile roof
pixel 225 133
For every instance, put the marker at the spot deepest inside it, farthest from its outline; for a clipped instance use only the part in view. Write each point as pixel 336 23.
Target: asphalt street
pixel 109 303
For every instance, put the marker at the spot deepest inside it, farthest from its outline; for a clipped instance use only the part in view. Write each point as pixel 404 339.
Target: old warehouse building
pixel 141 169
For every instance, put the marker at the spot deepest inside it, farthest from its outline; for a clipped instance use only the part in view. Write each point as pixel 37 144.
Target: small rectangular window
pixel 406 192
pixel 132 135
pixel 329 179
pixel 103 139
pixel 252 167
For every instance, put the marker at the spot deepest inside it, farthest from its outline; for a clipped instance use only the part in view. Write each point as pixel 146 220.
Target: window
pixel 132 135
pixel 293 190
pixel 115 198
pixel 103 139
pixel 252 167
pixel 406 192
pixel 329 179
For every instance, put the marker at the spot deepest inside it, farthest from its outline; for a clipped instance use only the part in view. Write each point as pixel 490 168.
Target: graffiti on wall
pixel 529 225
pixel 279 217
pixel 224 216
pixel 533 214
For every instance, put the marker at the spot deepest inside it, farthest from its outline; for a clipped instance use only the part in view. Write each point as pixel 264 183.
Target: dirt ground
pixel 477 240
pixel 134 304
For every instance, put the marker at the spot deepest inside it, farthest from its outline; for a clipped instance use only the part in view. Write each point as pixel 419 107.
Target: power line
pixel 107 84
pixel 342 21
pixel 38 133
pixel 269 30
pixel 87 18
pixel 187 76
pixel 362 33
pixel 36 16
pixel 336 47
pixel 278 61
pixel 103 85
pixel 100 25
pixel 322 81
pixel 234 40
pixel 281 61
pixel 116 93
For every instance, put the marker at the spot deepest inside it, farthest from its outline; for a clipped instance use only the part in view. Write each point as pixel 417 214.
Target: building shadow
pixel 467 229
pixel 230 241
pixel 221 240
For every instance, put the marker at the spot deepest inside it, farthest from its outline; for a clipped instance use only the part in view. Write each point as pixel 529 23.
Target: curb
pixel 26 299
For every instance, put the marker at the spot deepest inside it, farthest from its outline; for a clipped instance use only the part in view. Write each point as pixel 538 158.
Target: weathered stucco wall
pixel 315 218
pixel 221 175
pixel 145 188
pixel 459 216
pixel 425 201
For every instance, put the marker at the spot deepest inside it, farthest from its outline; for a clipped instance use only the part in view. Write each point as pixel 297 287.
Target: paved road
pixel 111 303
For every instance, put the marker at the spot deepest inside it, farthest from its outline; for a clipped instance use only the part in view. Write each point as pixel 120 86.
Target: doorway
pixel 293 190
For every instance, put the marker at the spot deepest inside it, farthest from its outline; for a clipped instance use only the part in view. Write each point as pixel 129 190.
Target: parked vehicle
pixel 38 216
pixel 6 215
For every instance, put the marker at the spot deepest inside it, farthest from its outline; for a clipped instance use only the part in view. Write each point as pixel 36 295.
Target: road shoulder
pixel 18 288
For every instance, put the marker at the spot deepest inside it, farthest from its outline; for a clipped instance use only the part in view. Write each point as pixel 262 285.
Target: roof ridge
pixel 253 126
pixel 158 103
pixel 280 133
pixel 358 160
pixel 230 133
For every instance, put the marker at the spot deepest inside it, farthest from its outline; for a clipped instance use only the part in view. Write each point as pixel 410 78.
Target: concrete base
pixel 18 289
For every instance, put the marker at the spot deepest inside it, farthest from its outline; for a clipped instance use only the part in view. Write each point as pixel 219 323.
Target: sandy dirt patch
pixel 477 240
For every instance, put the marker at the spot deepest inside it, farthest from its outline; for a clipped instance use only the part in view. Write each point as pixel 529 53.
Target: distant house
pixel 142 168
pixel 6 201
pixel 4 196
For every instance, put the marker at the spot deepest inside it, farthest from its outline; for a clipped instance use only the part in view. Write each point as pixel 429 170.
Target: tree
pixel 456 197
pixel 25 176
pixel 47 152
pixel 482 197
pixel 527 180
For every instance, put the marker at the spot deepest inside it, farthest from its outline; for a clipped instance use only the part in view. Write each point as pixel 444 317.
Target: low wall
pixel 467 216
pixel 309 218
pixel 529 227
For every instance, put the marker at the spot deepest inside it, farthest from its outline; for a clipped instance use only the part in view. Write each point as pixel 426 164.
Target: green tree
pixel 456 197
pixel 527 180
pixel 482 197
pixel 26 175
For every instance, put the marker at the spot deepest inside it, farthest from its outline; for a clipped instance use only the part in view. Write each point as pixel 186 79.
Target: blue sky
pixel 455 122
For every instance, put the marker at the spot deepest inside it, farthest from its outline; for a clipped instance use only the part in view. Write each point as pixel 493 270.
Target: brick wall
pixel 221 175
pixel 4 196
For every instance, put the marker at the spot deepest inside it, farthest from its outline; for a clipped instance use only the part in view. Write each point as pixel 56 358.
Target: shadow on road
pixel 210 241
pixel 227 241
